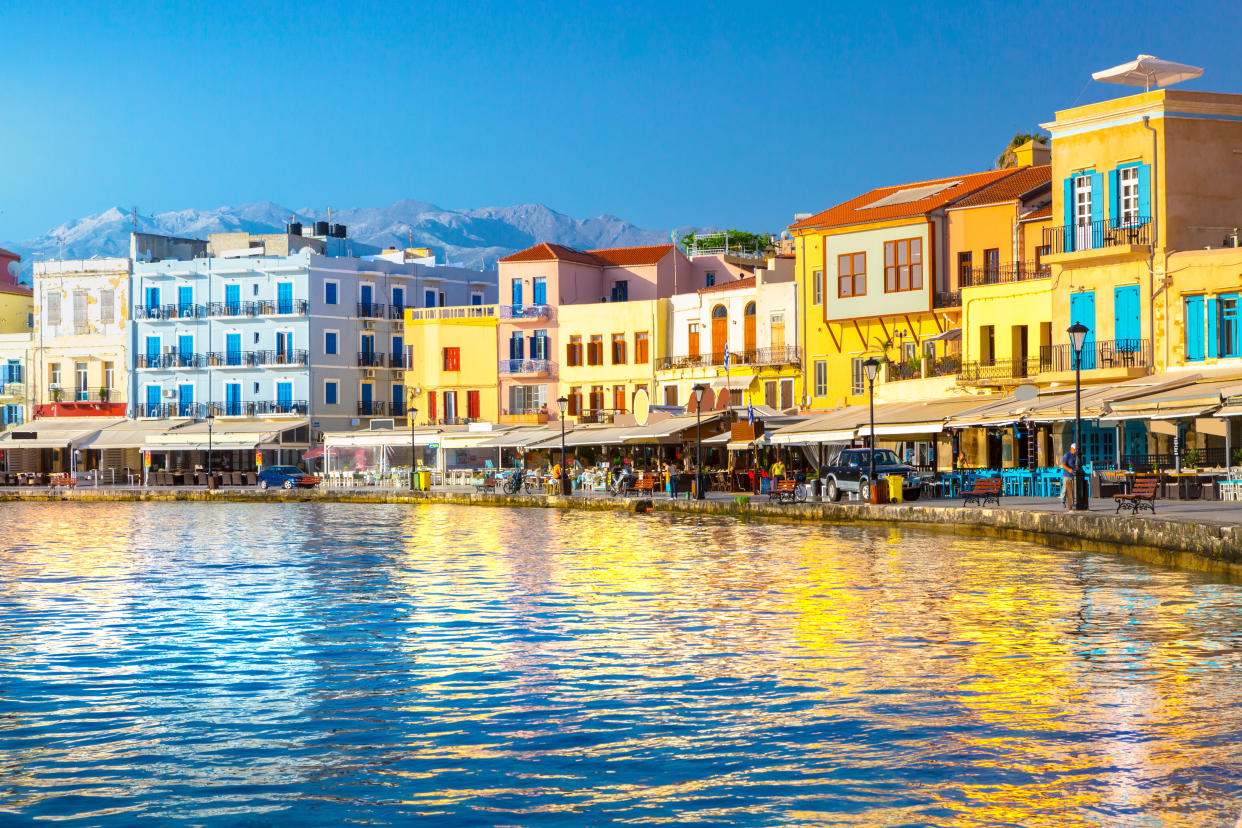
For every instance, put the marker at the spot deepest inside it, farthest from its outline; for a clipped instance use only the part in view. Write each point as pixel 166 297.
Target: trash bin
pixel 813 487
pixel 879 494
pixel 423 483
pixel 213 481
pixel 894 488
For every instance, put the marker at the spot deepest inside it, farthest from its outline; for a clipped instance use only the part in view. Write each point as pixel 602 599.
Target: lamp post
pixel 413 412
pixel 1078 337
pixel 698 440
pixel 563 404
pixel 211 419
pixel 871 365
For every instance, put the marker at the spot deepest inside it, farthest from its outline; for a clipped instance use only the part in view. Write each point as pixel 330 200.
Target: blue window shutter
pixel 1144 192
pixel 1114 198
pixel 1209 311
pixel 1067 232
pixel 1194 328
pixel 1097 209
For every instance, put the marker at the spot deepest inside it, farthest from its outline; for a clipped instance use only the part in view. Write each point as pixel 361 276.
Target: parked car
pixel 851 472
pixel 286 477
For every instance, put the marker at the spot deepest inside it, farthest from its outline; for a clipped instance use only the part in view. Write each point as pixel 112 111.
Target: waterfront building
pixel 876 281
pixel 81 359
pixel 610 357
pixel 739 338
pixel 452 373
pixel 16 353
pixel 271 326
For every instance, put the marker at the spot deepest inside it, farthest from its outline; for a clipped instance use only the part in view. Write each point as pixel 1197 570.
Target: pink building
pixel 536 281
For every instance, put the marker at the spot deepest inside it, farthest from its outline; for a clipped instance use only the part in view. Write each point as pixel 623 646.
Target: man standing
pixel 1069 464
pixel 778 472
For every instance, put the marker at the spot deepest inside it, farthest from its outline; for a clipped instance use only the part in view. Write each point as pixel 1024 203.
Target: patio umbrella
pixel 1147 71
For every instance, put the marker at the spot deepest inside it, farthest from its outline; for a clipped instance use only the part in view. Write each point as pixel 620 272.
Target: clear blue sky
pixel 663 114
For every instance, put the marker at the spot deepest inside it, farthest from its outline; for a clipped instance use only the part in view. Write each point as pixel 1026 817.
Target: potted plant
pixel 55 389
pixel 103 394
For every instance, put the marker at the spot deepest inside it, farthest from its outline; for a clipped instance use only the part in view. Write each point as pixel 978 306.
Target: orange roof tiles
pixel 857 211
pixel 736 284
pixel 1041 213
pixel 1023 181
pixel 605 257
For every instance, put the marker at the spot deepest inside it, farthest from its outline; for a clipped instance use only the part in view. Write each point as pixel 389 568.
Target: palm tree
pixel 1007 158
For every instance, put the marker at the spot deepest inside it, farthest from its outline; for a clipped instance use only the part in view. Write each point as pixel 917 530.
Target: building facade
pixel 452 372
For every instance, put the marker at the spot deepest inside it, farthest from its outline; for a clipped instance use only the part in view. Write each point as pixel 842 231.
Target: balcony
pixel 277 359
pixel 226 359
pixel 159 411
pixel 285 307
pixel 1127 236
pixel 156 313
pixel 170 361
pixel 525 366
pixel 525 312
pixel 1123 358
pixel 396 360
pixel 456 312
pixel 396 409
pixel 232 309
pixel 787 355
pixel 943 367
pixel 279 407
pixel 370 359
pixel 370 310
pixel 947 299
pixel 374 408
pixel 396 312
pixel 524 416
pixel 1004 274
pixel 998 372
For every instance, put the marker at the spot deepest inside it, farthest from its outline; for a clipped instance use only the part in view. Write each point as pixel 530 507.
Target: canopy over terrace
pixel 379 451
pixel 671 431
pixel 46 445
pixel 236 445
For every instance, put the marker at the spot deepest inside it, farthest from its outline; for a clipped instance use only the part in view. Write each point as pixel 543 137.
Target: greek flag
pixel 750 412
pixel 726 359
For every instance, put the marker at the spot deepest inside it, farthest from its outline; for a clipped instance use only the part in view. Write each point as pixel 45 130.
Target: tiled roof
pixel 736 284
pixel 7 254
pixel 606 257
pixel 16 290
pixel 1042 213
pixel 630 256
pixel 1011 188
pixel 932 195
pixel 544 252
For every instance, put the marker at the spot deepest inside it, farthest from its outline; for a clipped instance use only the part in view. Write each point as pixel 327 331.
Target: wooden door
pixel 749 336
pixel 720 333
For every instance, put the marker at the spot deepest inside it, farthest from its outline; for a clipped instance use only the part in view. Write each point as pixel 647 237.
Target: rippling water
pixel 313 664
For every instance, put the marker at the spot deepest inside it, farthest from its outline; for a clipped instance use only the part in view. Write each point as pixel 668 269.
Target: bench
pixel 983 490
pixel 785 491
pixel 488 484
pixel 642 487
pixel 62 480
pixel 1141 496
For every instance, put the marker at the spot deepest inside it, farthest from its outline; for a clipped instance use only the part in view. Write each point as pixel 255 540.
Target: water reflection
pixel 314 663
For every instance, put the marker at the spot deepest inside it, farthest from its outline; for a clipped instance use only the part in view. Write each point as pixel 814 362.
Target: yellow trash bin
pixel 424 481
pixel 894 487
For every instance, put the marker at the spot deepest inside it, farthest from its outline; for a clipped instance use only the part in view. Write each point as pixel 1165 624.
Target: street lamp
pixel 211 419
pixel 413 450
pixel 698 439
pixel 563 404
pixel 1078 337
pixel 871 365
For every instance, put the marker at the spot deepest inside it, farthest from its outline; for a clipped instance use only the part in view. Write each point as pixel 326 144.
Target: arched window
pixel 750 308
pixel 719 311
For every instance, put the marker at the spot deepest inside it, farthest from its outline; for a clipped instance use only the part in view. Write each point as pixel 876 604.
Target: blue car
pixel 286 477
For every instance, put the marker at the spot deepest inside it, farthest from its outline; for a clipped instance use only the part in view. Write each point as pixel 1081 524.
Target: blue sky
pixel 662 114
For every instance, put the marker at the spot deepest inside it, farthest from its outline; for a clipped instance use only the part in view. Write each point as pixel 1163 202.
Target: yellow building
pixel 609 356
pixel 452 372
pixel 877 282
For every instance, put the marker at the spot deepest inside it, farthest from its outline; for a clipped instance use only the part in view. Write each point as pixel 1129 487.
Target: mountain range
pixel 475 238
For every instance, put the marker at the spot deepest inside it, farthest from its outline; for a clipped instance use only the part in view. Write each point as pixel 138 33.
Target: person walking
pixel 1069 464
pixel 671 470
pixel 778 472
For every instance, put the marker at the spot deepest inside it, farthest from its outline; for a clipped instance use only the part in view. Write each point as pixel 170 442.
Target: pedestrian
pixel 671 470
pixel 1069 464
pixel 778 472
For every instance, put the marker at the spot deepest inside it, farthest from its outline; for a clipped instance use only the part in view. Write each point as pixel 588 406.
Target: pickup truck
pixel 851 471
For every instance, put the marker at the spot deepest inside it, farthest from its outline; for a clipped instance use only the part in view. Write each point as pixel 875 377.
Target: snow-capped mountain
pixel 471 237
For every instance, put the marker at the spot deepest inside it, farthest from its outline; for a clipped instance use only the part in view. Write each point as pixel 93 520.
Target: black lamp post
pixel 1078 337
pixel 211 419
pixel 698 440
pixel 413 449
pixel 563 404
pixel 871 365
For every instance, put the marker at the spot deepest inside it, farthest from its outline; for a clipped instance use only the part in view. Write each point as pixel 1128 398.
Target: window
pixel 1128 195
pixel 53 374
pixel 621 291
pixel 330 392
pixel 575 400
pixel 516 288
pixel 693 333
pixel 597 398
pixel 821 377
pixel 777 323
pixel 255 339
pixel 53 309
pixel 991 263
pixel 330 342
pixel 429 298
pixel 80 380
pixel 903 265
pixel 670 395
pixel 1229 341
pixel 858 377
pixel 452 359
pixel 709 279
pixel 964 264
pixel 641 352
pixel 527 399
pixel 517 348
pixel 595 350
pixel 107 307
pixel 618 399
pixel 987 344
pixel 1194 328
pixel 618 349
pixel 817 287
pixel 443 298
pixel 1040 252
pixel 109 375
pixel 539 345
pixel 472 405
pixel 852 275
pixel 540 290
pixel 573 351
pixel 476 298
pixel 330 290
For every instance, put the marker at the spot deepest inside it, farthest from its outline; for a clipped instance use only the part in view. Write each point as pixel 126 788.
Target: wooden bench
pixel 62 480
pixel 785 491
pixel 487 485
pixel 1141 496
pixel 983 490
pixel 643 487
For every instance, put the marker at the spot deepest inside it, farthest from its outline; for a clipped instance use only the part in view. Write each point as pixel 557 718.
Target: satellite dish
pixel 14 269
pixel 642 406
pixel 1025 393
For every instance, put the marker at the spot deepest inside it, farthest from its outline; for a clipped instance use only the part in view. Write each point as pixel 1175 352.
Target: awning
pixel 56 433
pixel 1229 411
pixel 130 434
pixel 385 437
pixel 521 437
pixel 732 383
pixel 951 335
pixel 227 436
pixel 609 436
pixel 1174 413
pixel 670 430
pixel 313 454
pixel 902 429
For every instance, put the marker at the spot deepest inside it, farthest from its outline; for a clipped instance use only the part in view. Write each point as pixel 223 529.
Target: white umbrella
pixel 1147 71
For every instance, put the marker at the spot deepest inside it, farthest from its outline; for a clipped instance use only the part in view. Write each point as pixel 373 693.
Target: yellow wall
pixel 975 229
pixel 859 340
pixel 475 336
pixel 1006 307
pixel 15 310
pixel 1194 273
pixel 605 319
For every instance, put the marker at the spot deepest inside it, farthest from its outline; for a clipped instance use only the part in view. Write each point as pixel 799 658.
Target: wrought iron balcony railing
pixel 1098 235
pixel 787 355
pixel 370 359
pixel 525 366
pixel 1004 274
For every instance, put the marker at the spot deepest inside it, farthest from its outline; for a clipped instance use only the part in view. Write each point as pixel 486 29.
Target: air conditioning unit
pixel 369 373
pixel 169 394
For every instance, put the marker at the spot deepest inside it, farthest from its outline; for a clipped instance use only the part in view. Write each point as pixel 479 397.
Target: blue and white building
pixel 299 334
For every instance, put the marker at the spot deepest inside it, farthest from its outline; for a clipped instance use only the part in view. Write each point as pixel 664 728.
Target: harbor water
pixel 324 664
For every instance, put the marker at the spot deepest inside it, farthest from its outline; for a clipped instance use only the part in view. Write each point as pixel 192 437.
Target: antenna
pixel 134 218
